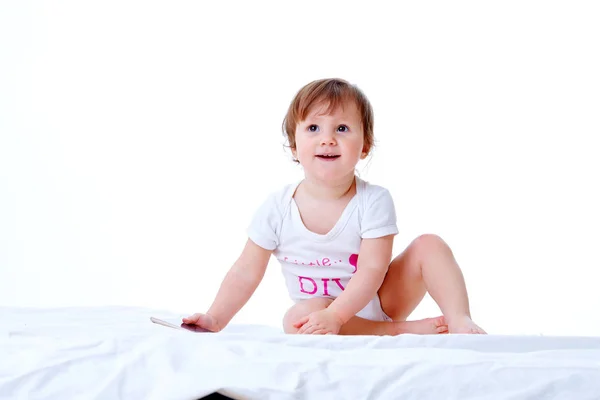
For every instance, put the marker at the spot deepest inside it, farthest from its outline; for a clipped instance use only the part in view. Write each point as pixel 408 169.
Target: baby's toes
pixel 477 330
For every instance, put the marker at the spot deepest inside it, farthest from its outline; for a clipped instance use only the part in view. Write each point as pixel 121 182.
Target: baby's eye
pixel 343 128
pixel 313 128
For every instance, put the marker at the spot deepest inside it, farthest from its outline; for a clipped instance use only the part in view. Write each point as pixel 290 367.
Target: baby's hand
pixel 205 321
pixel 321 322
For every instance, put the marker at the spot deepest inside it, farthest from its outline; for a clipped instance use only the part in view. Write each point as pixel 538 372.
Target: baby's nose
pixel 327 140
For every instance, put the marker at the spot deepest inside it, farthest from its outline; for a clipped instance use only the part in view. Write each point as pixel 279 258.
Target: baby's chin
pixel 330 177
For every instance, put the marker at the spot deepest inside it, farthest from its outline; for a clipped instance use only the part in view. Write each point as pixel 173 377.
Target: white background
pixel 138 138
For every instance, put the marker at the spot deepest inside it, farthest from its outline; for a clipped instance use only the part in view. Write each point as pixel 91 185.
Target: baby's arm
pixel 373 262
pixel 239 284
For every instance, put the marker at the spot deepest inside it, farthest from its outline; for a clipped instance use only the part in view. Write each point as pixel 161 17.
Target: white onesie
pixel 315 265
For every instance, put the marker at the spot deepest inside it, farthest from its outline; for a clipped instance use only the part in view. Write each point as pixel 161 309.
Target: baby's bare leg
pixel 301 310
pixel 361 326
pixel 427 264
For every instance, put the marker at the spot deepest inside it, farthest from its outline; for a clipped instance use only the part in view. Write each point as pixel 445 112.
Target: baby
pixel 333 234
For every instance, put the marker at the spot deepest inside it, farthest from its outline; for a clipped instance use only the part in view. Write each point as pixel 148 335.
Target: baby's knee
pixel 301 310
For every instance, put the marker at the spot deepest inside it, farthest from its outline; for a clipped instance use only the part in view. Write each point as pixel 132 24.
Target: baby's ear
pixel 364 153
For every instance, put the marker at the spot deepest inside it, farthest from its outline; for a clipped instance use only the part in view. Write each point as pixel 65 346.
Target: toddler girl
pixel 333 233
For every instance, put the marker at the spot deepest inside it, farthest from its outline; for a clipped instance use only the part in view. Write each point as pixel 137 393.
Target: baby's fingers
pixel 191 319
pixel 307 328
pixel 300 322
pixel 311 329
pixel 303 329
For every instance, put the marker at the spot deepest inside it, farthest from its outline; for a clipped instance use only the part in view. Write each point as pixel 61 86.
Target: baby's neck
pixel 329 191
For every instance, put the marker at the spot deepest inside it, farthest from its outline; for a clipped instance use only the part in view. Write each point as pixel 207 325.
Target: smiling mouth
pixel 327 156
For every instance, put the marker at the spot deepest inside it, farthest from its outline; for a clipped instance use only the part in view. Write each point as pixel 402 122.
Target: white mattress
pixel 117 353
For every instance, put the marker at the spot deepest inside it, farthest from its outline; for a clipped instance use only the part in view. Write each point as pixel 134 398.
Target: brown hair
pixel 335 92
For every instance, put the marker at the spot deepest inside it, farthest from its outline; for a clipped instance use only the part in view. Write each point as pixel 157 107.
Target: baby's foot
pixel 464 324
pixel 427 326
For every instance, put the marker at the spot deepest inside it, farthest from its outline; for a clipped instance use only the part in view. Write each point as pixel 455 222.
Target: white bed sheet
pixel 117 353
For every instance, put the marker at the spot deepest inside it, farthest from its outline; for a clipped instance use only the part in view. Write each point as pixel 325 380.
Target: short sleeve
pixel 264 227
pixel 379 218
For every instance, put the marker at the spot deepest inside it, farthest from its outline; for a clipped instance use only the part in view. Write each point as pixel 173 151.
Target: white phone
pixel 187 327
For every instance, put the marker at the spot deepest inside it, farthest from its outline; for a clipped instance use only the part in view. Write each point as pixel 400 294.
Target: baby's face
pixel 328 146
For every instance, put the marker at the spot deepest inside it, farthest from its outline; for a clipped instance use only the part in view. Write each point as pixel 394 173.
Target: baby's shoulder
pixel 281 197
pixel 371 192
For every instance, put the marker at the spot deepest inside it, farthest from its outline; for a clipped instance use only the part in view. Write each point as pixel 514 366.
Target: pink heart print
pixel 353 260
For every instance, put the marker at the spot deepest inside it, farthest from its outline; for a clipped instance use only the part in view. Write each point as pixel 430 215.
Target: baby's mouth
pixel 327 156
